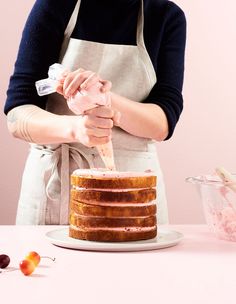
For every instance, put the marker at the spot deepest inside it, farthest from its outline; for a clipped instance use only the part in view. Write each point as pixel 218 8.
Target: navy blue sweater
pixel 103 21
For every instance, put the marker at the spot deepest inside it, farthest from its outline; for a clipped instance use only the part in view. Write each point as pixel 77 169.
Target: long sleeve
pixel 167 92
pixel 39 48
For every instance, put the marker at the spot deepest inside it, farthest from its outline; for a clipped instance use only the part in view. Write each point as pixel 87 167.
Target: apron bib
pixel 44 197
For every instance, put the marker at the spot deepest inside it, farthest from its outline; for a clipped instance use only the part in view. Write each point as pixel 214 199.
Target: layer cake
pixel 111 206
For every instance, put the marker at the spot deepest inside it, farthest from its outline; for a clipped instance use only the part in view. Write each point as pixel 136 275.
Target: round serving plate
pixel 166 238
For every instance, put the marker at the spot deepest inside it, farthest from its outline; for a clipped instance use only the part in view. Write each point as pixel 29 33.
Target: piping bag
pixel 82 101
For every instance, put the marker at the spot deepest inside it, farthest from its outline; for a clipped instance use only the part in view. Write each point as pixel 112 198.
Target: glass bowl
pixel 219 205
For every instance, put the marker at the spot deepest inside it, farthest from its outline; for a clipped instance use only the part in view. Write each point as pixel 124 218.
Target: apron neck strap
pixel 72 22
pixel 140 26
pixel 69 29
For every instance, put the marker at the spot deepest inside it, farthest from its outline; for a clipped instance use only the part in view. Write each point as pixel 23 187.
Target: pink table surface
pixel 201 269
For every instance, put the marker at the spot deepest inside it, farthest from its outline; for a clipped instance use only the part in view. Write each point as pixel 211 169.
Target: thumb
pixel 116 118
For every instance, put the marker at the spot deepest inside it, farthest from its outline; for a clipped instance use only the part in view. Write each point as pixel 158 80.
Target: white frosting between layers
pixel 104 173
pixel 113 218
pixel 120 229
pixel 110 190
pixel 117 204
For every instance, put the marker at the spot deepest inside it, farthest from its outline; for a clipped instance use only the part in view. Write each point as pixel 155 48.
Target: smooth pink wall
pixel 12 152
pixel 205 135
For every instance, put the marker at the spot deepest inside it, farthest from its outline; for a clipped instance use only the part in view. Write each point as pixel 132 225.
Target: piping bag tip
pixel 107 155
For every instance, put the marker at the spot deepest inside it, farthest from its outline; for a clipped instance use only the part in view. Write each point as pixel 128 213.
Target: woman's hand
pixel 70 82
pixel 94 127
pixel 33 124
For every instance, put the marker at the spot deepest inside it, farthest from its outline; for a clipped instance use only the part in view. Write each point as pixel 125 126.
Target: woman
pixel 138 46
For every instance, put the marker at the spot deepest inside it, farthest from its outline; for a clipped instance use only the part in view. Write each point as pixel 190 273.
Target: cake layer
pixel 112 235
pixel 99 221
pixel 136 196
pixel 98 179
pixel 113 210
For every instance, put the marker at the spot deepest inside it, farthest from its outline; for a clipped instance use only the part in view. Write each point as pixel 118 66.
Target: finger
pixel 62 77
pixel 116 118
pixel 107 85
pixel 60 82
pixel 69 78
pixel 64 74
pixel 73 81
pixel 101 111
pixel 98 122
pixel 59 88
pixel 90 81
pixel 98 132
pixel 76 83
pixel 95 141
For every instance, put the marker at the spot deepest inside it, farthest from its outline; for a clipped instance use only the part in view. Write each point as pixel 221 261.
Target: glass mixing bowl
pixel 219 204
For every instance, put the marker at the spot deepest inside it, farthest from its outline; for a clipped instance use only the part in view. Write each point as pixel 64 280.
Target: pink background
pixel 204 136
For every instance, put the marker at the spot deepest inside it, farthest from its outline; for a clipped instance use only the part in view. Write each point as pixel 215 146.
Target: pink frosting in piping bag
pixel 88 99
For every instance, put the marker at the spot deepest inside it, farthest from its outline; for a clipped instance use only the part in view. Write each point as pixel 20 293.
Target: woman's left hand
pixel 71 82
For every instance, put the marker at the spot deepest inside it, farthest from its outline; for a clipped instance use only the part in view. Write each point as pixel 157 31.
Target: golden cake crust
pixel 132 196
pixel 111 211
pixel 112 182
pixel 96 222
pixel 111 236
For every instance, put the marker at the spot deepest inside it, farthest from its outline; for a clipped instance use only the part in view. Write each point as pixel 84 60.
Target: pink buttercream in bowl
pixel 219 204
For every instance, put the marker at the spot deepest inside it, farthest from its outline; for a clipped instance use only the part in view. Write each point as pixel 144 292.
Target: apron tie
pixel 58 184
pixel 65 183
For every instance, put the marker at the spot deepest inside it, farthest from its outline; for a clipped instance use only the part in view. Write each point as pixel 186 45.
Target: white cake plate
pixel 166 238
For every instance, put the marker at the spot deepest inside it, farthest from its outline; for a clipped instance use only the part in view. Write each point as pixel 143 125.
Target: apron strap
pixel 69 29
pixel 58 185
pixel 151 73
pixel 65 183
pixel 140 26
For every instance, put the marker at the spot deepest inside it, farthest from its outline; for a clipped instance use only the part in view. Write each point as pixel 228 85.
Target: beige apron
pixel 44 197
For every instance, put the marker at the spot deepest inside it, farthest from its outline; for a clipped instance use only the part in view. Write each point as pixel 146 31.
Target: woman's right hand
pixel 71 82
pixel 94 127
